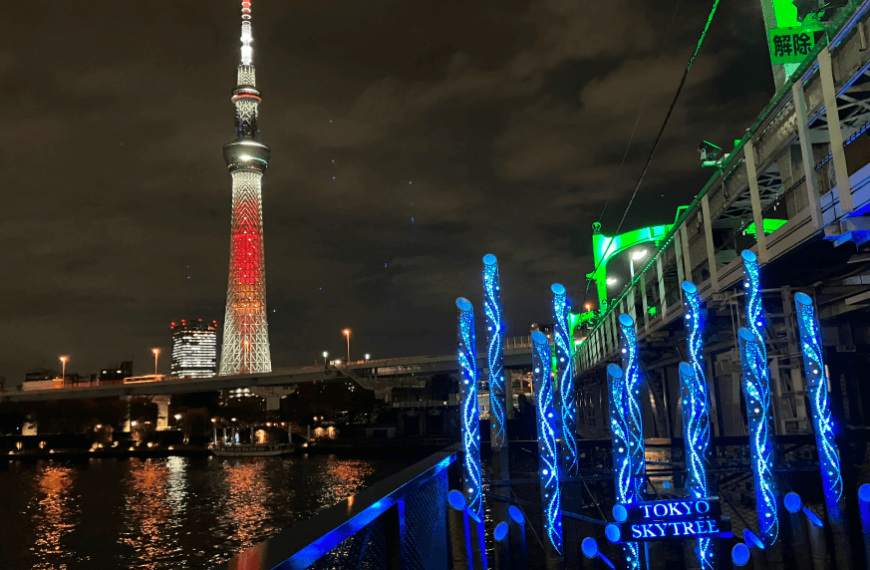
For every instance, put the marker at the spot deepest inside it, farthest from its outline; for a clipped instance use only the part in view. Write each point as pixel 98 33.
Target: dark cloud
pixel 452 129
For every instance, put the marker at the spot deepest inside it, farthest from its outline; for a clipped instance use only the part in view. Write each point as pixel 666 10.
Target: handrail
pixel 844 23
pixel 304 543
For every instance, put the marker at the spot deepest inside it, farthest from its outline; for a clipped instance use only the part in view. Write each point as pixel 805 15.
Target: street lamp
pixel 588 307
pixel 611 281
pixel 368 356
pixel 347 334
pixel 156 352
pixel 63 360
pixel 325 354
pixel 636 256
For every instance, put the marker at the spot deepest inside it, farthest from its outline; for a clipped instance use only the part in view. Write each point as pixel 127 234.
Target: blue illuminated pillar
pixel 696 410
pixel 823 422
pixel 548 449
pixel 696 437
pixel 631 405
pixel 468 403
pixel 623 467
pixel 494 352
pixel 756 391
pixel 565 379
pixel 626 422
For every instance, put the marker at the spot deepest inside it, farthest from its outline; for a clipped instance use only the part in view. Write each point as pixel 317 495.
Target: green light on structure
pixel 770 226
pixel 605 247
pixel 780 14
pixel 652 311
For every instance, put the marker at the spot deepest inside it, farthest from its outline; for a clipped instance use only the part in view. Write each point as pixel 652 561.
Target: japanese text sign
pixel 791 45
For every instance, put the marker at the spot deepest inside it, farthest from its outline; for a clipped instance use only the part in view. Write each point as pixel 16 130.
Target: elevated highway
pixel 364 372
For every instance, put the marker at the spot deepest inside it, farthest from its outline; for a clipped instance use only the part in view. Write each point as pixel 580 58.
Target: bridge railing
pixel 400 521
pixel 774 191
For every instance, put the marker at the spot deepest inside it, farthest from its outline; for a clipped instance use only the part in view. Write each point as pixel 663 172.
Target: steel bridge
pixel 805 163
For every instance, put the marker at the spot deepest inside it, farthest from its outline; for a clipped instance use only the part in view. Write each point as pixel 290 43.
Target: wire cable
pixel 660 134
pixel 637 119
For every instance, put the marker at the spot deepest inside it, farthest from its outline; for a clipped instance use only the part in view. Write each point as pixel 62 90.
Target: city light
pixel 156 352
pixel 470 426
pixel 814 368
pixel 495 350
pixel 611 281
pixel 63 361
pixel 548 447
pixel 346 333
pixel 567 404
pixel 756 389
pixel 696 410
pixel 194 349
pixel 636 255
pixel 368 356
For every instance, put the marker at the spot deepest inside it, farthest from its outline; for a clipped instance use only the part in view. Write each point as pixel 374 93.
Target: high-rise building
pixel 246 336
pixel 194 349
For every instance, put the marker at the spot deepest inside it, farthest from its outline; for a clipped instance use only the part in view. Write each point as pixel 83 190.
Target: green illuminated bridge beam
pixel 604 248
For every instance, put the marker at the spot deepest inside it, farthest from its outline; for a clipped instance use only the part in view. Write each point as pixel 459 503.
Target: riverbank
pixel 361 449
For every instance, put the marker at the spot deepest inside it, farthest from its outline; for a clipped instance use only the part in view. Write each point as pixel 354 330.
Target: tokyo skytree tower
pixel 246 334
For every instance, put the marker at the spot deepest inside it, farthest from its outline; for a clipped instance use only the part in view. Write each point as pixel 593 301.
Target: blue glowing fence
pixel 403 517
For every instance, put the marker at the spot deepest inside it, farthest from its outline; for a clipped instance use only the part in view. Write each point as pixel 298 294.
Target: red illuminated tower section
pixel 246 334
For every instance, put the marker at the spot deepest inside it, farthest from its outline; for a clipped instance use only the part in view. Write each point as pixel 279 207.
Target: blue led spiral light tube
pixel 548 449
pixel 565 380
pixel 823 423
pixel 814 367
pixel 467 354
pixel 622 458
pixel 696 410
pixel 626 422
pixel 494 351
pixel 630 404
pixel 756 391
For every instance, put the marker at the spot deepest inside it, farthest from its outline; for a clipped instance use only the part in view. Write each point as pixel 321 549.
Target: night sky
pixel 408 140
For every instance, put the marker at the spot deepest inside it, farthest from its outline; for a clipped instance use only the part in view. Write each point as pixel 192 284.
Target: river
pixel 167 513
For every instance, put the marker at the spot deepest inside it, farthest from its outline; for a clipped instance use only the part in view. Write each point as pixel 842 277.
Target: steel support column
pixel 835 133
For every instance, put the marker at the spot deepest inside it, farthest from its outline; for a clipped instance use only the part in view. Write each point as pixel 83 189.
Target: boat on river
pixel 252 449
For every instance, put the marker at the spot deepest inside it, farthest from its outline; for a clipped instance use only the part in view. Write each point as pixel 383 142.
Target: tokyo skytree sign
pixel 246 334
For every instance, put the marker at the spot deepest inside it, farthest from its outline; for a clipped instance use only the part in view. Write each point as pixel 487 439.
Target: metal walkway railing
pixel 400 521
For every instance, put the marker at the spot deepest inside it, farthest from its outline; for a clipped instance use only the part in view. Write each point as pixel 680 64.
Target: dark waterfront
pixel 174 513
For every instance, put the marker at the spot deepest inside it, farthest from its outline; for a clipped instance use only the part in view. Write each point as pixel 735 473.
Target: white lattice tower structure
pixel 246 334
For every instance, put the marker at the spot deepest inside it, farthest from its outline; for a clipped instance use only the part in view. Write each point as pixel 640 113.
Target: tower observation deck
pixel 246 335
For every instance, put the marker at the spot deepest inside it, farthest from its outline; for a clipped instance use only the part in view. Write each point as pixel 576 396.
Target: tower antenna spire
pixel 247 37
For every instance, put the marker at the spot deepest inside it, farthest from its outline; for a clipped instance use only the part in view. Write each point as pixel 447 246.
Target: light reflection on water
pixel 54 515
pixel 173 513
pixel 245 516
pixel 155 502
